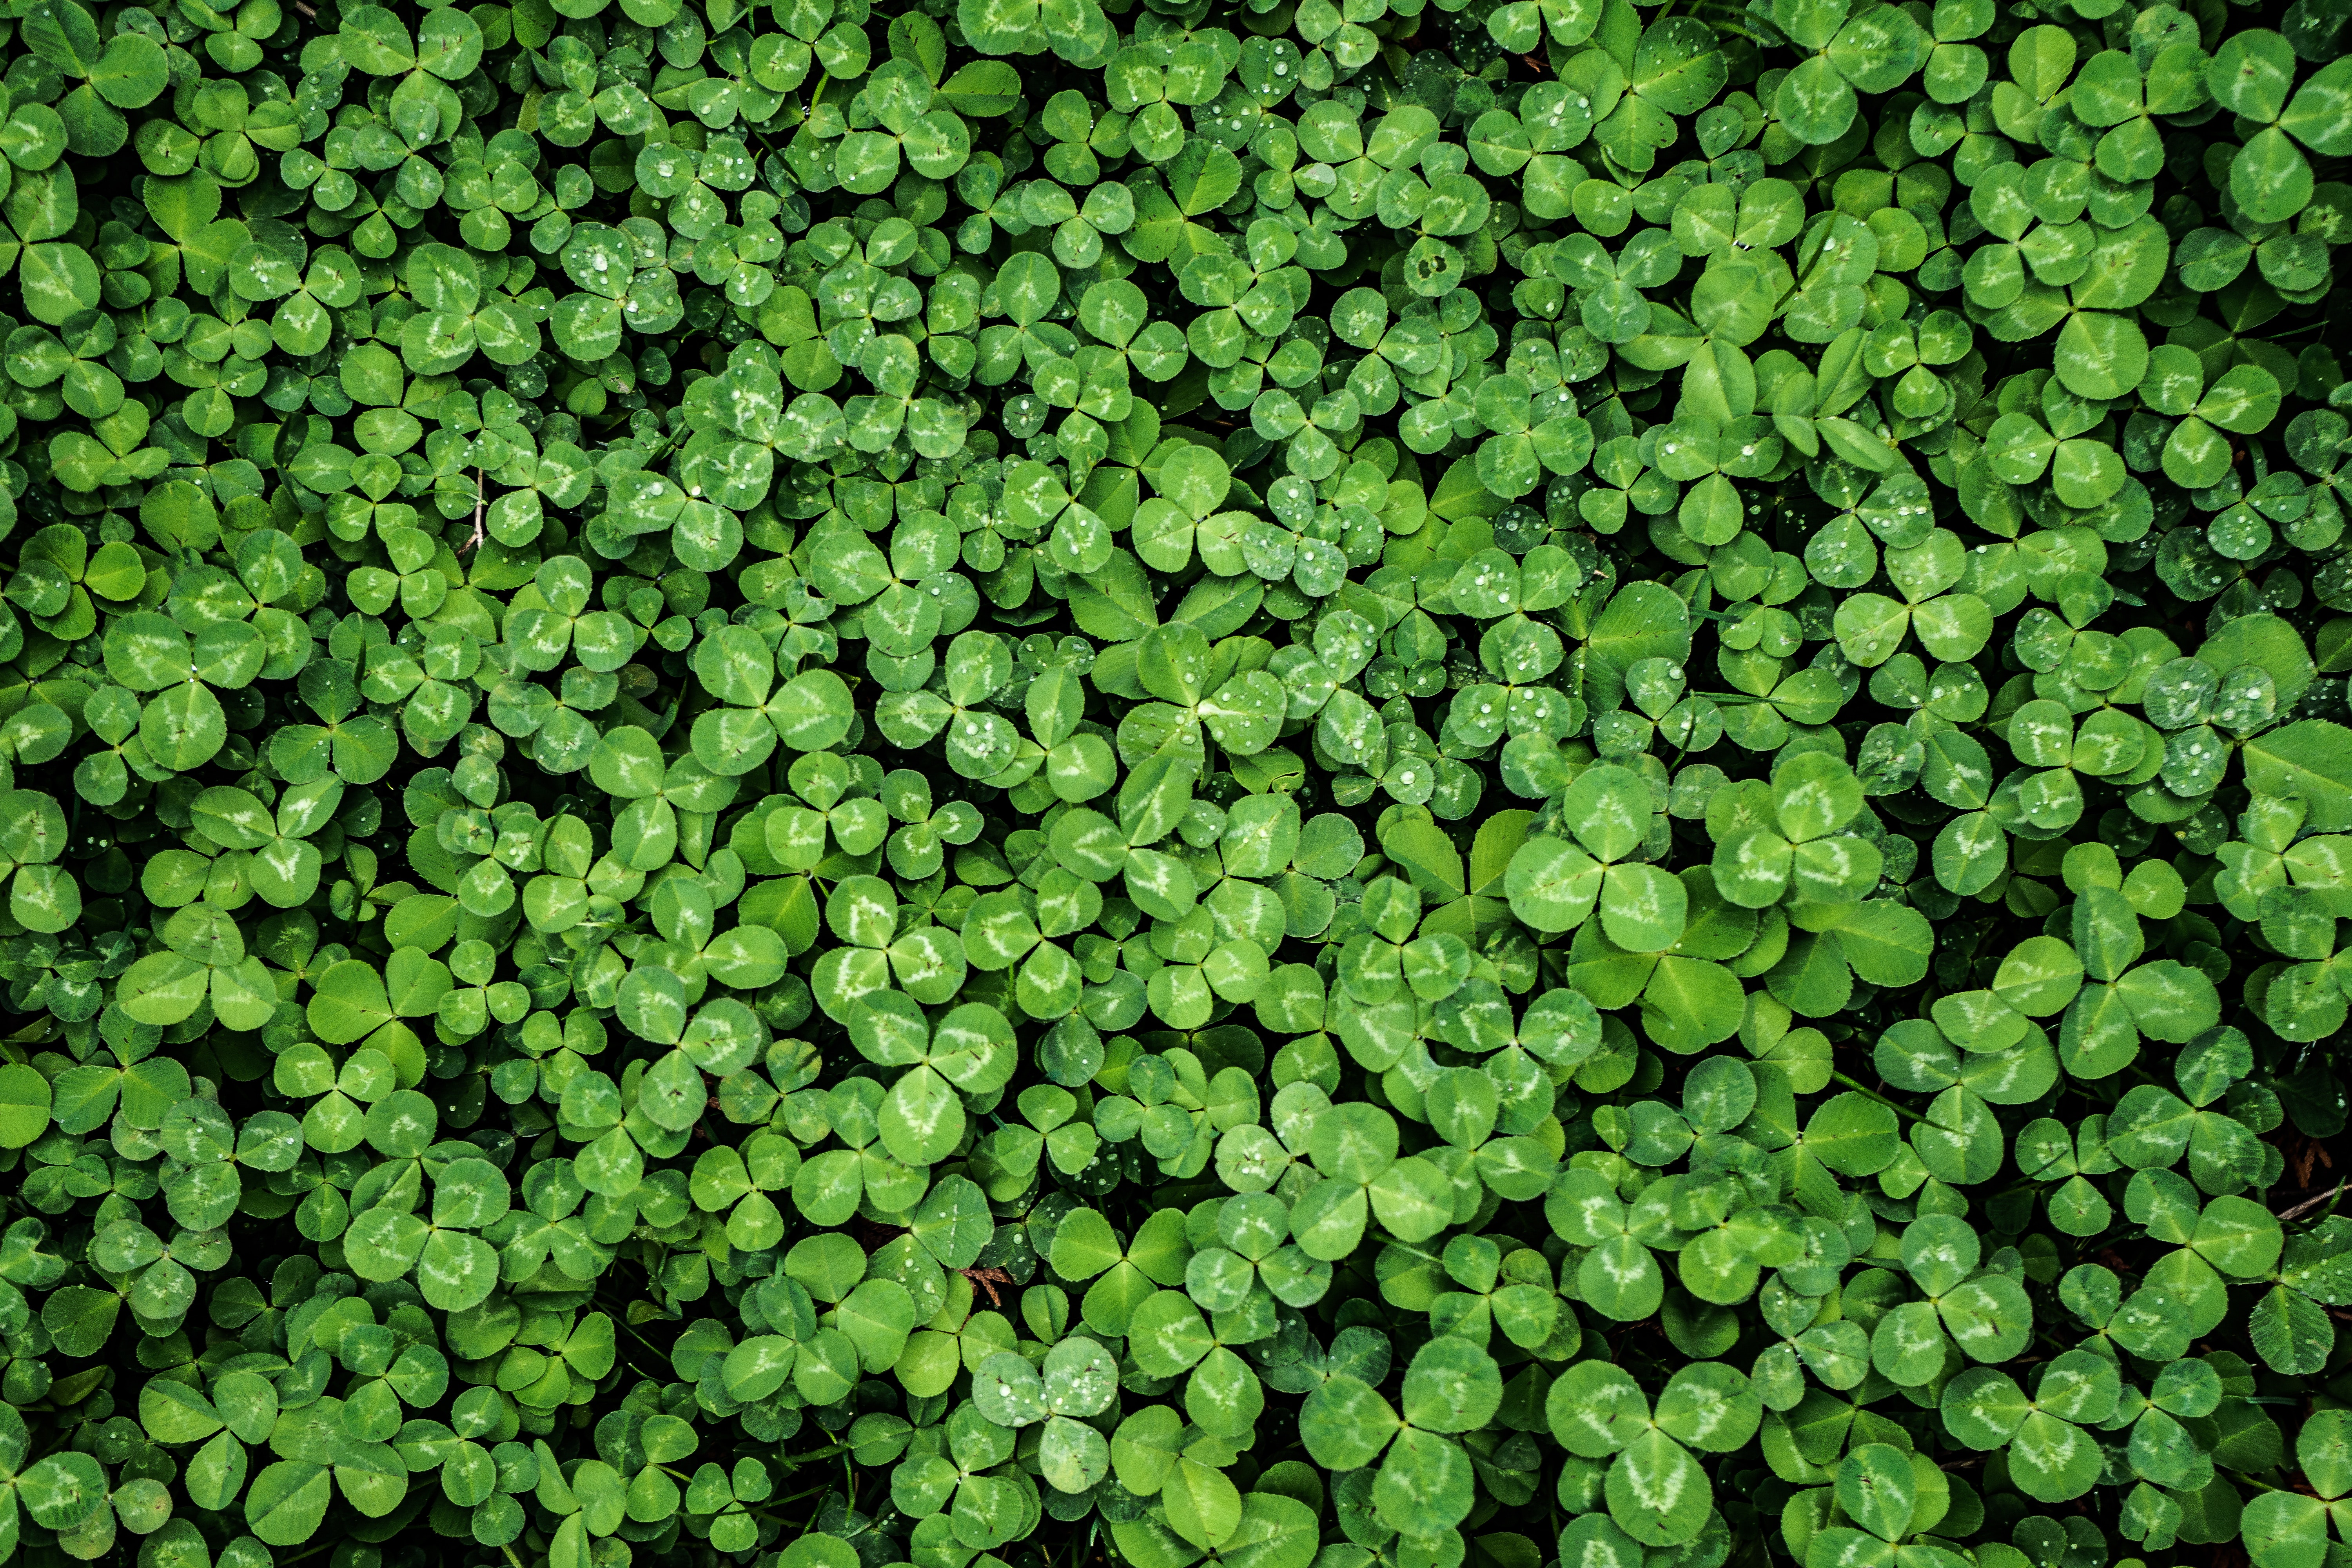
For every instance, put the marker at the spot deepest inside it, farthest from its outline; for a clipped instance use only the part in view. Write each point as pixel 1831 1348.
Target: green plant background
pixel 1297 785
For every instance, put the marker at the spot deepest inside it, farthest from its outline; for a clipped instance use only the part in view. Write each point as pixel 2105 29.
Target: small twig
pixel 481 501
pixel 308 15
pixel 2309 1203
pixel 988 1279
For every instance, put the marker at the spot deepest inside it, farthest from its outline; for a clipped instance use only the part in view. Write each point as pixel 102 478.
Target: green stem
pixel 776 1507
pixel 1862 1089
pixel 797 1460
pixel 631 1328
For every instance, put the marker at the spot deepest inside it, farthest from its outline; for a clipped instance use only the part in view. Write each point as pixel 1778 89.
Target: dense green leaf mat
pixel 1298 783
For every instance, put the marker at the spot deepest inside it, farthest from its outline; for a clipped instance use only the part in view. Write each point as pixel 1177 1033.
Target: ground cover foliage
pixel 1015 783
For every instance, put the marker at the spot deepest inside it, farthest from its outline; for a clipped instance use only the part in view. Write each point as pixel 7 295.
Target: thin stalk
pixel 1864 1090
pixel 2309 1203
pixel 481 501
pixel 775 1508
